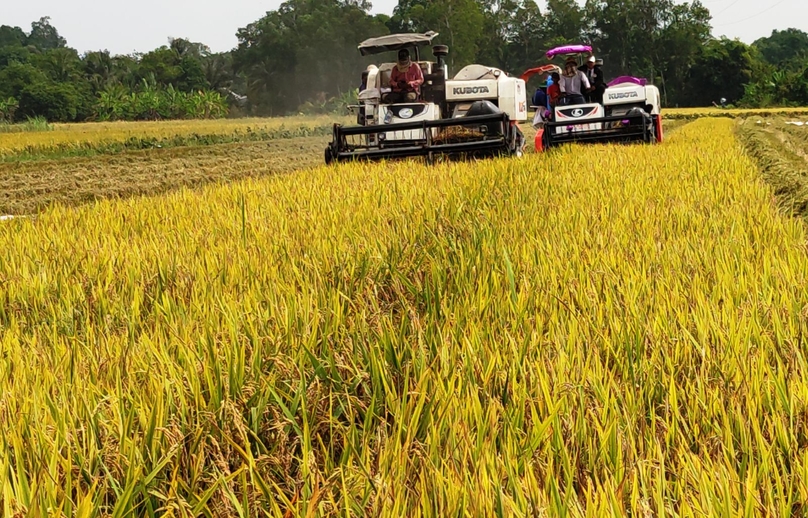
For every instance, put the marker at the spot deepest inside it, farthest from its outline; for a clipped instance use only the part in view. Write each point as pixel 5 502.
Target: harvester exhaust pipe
pixel 440 52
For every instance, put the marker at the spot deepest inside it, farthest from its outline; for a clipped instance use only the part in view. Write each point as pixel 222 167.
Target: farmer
pixel 554 90
pixel 597 85
pixel 405 80
pixel 573 83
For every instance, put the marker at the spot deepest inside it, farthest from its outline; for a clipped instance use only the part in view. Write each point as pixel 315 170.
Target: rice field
pixel 780 147
pixel 733 113
pixel 32 186
pixel 92 139
pixel 615 332
pixel 31 183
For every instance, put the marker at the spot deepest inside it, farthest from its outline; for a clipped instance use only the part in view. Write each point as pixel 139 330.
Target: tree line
pixel 302 57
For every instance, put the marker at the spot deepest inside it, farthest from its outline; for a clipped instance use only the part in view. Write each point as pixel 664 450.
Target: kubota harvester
pixel 475 113
pixel 630 111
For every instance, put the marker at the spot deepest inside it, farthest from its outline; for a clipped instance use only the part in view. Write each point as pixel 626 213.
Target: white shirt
pixel 590 74
pixel 572 85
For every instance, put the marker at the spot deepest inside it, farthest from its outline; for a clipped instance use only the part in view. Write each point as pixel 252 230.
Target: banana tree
pixel 7 109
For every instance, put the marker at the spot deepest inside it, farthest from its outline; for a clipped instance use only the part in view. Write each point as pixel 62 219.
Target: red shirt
pixel 413 76
pixel 554 91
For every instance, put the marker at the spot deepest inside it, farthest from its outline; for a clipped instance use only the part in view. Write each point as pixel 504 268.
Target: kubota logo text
pixel 625 95
pixel 466 90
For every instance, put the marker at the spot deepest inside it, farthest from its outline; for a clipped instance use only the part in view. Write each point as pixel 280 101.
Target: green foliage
pixel 781 72
pixel 52 100
pixel 178 65
pixel 12 36
pixel 780 88
pixel 30 125
pixel 567 19
pixel 336 105
pixel 721 70
pixel 459 24
pixel 154 103
pixel 39 94
pixel 7 109
pixel 303 51
pixel 48 79
pixel 657 39
pixel 44 36
pixel 788 48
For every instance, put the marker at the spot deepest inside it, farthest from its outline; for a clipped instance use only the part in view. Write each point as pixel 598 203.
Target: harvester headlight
pixel 405 113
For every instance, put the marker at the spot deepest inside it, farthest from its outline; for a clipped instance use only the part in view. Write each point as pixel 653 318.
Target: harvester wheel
pixel 329 157
pixel 519 141
pixel 546 140
pixel 650 136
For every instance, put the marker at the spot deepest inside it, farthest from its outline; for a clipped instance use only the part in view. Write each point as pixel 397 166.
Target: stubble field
pixel 597 331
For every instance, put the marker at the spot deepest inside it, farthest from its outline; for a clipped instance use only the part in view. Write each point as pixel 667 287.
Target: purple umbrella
pixel 628 79
pixel 568 49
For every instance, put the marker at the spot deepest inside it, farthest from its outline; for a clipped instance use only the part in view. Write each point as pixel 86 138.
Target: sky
pixel 124 26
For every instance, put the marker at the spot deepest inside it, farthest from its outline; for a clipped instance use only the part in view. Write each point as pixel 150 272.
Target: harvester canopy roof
pixel 568 50
pixel 393 42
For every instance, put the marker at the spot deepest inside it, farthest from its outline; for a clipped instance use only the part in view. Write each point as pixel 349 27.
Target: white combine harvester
pixel 475 113
pixel 631 111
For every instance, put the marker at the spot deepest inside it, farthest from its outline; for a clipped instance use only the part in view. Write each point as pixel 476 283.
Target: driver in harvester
pixel 573 83
pixel 405 80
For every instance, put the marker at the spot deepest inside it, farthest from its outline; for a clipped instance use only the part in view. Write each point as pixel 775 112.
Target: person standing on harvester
pixel 573 83
pixel 597 85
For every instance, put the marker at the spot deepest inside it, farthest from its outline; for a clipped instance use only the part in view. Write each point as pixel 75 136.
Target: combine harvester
pixel 474 114
pixel 631 110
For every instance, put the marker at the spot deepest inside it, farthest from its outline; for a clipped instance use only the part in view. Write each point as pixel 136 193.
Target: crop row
pixel 781 153
pixel 737 113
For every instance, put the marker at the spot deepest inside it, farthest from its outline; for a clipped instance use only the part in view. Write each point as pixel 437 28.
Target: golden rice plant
pixel 107 137
pixel 599 331
pixel 732 113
